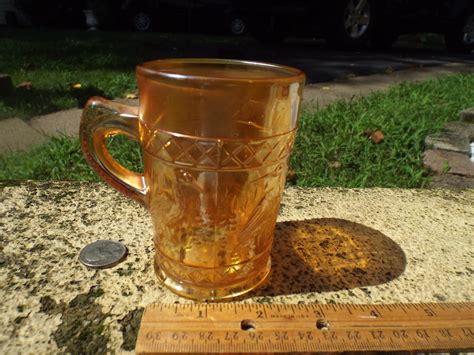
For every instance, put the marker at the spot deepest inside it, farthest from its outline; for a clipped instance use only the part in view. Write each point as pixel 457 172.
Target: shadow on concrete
pixel 84 93
pixel 38 101
pixel 320 255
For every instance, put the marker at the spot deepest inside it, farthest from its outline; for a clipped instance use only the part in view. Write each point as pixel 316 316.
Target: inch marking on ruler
pixel 246 328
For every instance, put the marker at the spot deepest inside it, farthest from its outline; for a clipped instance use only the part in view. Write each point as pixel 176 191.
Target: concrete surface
pixel 468 115
pixel 443 161
pixel 320 63
pixel 331 245
pixel 63 122
pixel 323 94
pixel 451 181
pixel 16 134
pixel 448 155
pixel 455 137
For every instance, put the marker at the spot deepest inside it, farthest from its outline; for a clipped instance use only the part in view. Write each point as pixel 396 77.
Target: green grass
pixel 102 62
pixel 405 114
pixel 61 159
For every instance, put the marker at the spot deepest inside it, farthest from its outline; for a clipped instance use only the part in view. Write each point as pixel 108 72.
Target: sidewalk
pixel 17 134
pixel 323 94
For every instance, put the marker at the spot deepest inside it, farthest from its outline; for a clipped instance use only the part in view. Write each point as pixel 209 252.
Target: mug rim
pixel 293 74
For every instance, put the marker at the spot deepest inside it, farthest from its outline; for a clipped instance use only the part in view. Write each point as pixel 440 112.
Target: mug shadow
pixel 329 254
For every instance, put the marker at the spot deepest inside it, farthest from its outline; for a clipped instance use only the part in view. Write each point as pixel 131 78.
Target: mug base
pixel 199 293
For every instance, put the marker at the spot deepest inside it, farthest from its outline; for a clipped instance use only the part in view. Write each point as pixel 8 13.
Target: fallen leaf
pixel 335 164
pixel 377 137
pixel 374 135
pixel 131 96
pixel 325 88
pixel 26 85
pixel 76 86
pixel 291 177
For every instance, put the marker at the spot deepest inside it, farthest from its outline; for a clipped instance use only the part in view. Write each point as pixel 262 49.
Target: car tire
pixel 349 24
pixel 141 20
pixel 237 25
pixel 460 38
pixel 11 19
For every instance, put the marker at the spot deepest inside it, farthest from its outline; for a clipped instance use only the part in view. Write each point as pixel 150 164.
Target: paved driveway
pixel 322 64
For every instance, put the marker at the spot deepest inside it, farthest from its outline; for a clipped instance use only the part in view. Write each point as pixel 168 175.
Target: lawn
pixel 103 63
pixel 332 148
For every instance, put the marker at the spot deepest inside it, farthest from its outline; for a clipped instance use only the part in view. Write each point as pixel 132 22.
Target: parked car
pixel 55 13
pixel 184 15
pixel 354 23
pixel 452 18
pixel 11 15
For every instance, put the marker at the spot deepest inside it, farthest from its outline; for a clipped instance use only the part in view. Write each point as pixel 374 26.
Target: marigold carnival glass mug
pixel 216 136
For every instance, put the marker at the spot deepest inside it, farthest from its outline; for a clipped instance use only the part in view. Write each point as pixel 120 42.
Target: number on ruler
pixel 305 335
pixel 330 336
pixel 443 326
pixel 179 336
pixel 429 312
pixel 445 333
pixel 353 335
pixel 375 314
pixel 231 336
pixel 377 334
pixel 279 336
pixel 153 336
pixel 318 314
pixel 206 335
pixel 422 334
pixel 256 336
pixel 400 334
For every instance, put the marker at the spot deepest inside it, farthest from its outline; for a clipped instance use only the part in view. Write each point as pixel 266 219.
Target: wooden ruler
pixel 245 328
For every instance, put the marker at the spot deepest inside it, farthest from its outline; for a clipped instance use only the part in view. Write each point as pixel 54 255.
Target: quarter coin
pixel 102 254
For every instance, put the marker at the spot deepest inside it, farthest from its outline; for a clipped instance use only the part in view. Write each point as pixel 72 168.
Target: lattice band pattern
pixel 218 154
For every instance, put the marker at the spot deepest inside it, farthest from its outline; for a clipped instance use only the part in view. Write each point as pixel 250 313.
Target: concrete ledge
pixel 451 181
pixel 443 161
pixel 455 137
pixel 331 245
pixel 468 115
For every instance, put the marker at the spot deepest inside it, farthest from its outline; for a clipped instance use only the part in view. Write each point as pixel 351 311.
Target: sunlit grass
pixel 331 147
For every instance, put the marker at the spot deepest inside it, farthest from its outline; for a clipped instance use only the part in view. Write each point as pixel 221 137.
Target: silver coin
pixel 102 254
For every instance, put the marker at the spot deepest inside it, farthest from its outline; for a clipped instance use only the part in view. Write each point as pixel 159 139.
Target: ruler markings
pixel 178 328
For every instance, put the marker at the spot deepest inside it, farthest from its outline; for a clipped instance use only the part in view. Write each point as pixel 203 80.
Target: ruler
pixel 267 328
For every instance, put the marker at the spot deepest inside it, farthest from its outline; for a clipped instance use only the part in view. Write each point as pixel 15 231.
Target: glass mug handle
pixel 101 119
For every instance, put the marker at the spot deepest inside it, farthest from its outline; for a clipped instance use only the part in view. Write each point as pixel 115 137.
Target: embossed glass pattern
pixel 216 136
